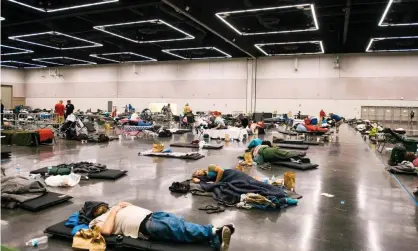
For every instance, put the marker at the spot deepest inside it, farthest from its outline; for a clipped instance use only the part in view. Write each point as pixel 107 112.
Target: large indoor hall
pixel 189 125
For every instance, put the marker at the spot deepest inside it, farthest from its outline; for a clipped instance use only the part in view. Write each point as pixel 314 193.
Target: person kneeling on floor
pixel 136 222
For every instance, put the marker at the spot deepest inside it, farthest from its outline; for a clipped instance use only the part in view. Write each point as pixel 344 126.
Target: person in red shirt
pixel 321 116
pixel 59 110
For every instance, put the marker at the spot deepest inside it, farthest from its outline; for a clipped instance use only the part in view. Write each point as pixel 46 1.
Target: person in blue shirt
pixel 338 121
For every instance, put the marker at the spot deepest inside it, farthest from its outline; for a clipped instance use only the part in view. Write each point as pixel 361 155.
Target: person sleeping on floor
pixel 227 186
pixel 263 151
pixel 137 222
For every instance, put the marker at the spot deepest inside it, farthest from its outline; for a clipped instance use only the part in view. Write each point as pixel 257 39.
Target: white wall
pixel 15 78
pixel 226 85
pixel 377 80
pixel 215 85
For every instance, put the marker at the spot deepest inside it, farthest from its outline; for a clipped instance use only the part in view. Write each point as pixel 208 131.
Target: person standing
pixel 59 110
pixel 412 116
pixel 321 115
pixel 338 121
pixel 69 108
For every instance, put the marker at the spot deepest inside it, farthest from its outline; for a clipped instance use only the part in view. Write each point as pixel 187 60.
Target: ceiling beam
pixel 81 13
pixel 185 13
pixel 346 21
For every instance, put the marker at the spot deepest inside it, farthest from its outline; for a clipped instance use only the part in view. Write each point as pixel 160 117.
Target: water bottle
pixel 37 241
pixel 17 169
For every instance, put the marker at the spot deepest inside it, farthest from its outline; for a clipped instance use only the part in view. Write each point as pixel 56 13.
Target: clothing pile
pixel 80 167
pixel 405 167
pixel 18 189
pixel 257 201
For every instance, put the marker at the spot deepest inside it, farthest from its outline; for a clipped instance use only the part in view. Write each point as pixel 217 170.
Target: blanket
pixel 234 183
pixel 18 189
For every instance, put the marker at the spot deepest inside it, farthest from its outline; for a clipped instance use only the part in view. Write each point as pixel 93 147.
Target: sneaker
pixel 225 238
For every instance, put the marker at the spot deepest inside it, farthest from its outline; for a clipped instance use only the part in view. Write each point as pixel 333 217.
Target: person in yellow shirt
pixel 187 109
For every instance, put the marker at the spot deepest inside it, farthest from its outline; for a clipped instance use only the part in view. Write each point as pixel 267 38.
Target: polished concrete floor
pixel 370 211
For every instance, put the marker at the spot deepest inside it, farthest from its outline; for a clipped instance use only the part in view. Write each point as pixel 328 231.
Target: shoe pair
pixel 225 234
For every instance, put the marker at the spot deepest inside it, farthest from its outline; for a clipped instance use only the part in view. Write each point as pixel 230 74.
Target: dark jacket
pixel 86 213
pixel 69 109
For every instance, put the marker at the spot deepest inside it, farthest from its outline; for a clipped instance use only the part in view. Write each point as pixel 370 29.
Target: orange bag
pixel 290 180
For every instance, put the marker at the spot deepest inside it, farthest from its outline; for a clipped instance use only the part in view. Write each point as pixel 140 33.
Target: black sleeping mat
pixel 301 166
pixel 47 200
pixel 297 147
pixel 109 174
pixel 60 230
pixel 297 142
pixel 288 133
pixel 181 131
pixel 191 156
pixel 189 145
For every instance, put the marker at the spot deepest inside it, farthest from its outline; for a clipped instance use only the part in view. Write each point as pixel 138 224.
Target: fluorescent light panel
pixel 18 62
pixel 48 61
pixel 312 6
pixel 2 18
pixel 19 38
pixel 382 19
pixel 169 51
pixel 157 21
pixel 20 50
pixel 66 8
pixel 102 56
pixel 372 40
pixel 259 47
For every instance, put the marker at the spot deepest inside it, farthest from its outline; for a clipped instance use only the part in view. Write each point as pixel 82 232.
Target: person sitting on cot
pixel 219 121
pixel 212 171
pixel 137 222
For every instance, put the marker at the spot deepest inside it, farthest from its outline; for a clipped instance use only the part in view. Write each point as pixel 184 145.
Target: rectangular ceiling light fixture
pixel 51 60
pixel 21 38
pixel 382 19
pixel 153 21
pixel 17 50
pixel 103 56
pixel 9 63
pixel 171 52
pixel 2 18
pixel 97 2
pixel 377 39
pixel 321 46
pixel 223 16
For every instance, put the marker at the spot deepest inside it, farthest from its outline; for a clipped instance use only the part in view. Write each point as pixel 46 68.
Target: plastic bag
pixel 157 148
pixel 63 180
pixel 290 180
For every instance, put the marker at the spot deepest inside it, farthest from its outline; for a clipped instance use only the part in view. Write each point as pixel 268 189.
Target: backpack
pixel 164 133
pixel 180 187
pixel 397 155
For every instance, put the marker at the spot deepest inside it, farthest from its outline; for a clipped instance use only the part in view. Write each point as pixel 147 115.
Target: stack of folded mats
pixel 405 167
pixel 296 142
pixel 91 170
pixel 177 155
pixel 26 193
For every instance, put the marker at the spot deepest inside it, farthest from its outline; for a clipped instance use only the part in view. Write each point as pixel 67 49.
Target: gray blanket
pixel 18 189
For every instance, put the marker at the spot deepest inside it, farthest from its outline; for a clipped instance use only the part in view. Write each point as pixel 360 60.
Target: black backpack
pixel 164 133
pixel 180 187
pixel 397 155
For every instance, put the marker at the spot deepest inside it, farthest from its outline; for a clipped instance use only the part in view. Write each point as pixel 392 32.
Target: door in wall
pixel 18 101
pixel 7 96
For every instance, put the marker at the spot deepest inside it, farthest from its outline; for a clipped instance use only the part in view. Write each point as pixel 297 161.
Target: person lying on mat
pixel 263 151
pixel 137 222
pixel 212 171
